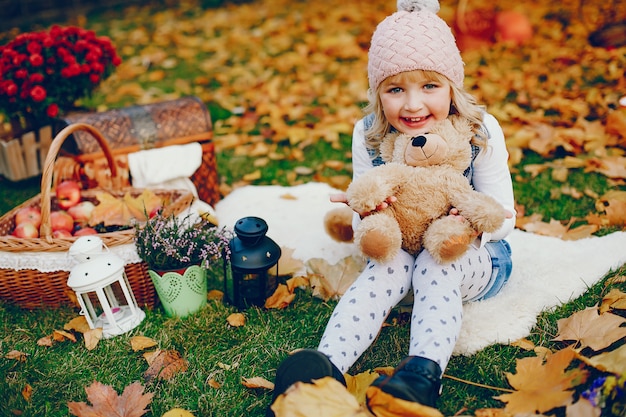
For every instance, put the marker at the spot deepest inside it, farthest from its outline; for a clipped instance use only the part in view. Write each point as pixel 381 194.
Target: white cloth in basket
pixel 168 167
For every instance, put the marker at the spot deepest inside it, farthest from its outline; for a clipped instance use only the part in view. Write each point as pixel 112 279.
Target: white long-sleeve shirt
pixel 490 176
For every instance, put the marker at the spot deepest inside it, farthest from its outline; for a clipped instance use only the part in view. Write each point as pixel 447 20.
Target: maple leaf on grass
pixel 358 384
pixel 615 299
pixel 325 397
pixel 164 364
pixel 542 385
pixel 386 405
pixel 331 281
pixel 287 264
pixel 591 329
pixel 281 298
pixel 107 403
pixel 613 361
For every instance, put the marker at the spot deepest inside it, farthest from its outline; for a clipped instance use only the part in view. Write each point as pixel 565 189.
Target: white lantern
pixel 99 281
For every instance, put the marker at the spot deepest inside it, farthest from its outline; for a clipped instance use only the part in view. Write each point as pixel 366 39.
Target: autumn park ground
pixel 285 81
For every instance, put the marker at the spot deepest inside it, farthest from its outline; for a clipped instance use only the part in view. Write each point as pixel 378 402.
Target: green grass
pixel 216 351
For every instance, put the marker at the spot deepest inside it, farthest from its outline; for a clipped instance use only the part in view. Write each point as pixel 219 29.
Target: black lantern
pixel 247 277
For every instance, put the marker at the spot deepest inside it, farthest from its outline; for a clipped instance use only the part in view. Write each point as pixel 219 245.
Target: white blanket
pixel 547 271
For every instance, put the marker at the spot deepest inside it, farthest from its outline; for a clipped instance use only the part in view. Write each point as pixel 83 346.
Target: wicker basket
pixel 33 288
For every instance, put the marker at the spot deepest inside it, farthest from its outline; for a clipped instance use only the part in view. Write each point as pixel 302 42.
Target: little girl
pixel 415 74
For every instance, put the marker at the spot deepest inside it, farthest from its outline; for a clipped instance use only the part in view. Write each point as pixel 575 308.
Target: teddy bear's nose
pixel 419 141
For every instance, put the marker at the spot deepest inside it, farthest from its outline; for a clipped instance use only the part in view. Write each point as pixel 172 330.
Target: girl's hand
pixel 343 198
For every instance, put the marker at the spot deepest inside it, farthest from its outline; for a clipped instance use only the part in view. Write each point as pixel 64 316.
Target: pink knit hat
pixel 414 38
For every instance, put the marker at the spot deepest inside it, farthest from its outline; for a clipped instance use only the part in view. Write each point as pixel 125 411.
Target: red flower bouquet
pixel 43 73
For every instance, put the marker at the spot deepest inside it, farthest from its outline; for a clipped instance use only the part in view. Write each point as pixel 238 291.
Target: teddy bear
pixel 426 175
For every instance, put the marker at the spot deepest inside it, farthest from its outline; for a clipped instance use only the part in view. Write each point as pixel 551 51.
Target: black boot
pixel 416 379
pixel 303 366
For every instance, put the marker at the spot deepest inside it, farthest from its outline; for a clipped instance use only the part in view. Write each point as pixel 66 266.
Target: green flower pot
pixel 181 292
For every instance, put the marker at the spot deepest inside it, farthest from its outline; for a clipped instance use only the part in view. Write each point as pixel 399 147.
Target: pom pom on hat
pixel 414 38
pixel 417 5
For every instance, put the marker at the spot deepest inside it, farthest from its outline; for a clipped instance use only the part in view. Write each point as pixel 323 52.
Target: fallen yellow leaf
pixel 236 319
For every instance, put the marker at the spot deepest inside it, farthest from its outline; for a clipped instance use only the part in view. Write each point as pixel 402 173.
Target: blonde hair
pixel 463 104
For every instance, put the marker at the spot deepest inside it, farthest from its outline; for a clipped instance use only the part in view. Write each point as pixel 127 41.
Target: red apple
pixel 86 231
pixel 60 220
pixel 68 194
pixel 26 230
pixel 61 233
pixel 28 215
pixel 81 212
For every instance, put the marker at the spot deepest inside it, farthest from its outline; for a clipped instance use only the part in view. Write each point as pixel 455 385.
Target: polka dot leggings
pixel 438 291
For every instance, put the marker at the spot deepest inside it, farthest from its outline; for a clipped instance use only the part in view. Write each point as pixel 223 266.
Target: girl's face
pixel 413 102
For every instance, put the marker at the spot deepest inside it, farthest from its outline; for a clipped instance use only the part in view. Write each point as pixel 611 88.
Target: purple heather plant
pixel 174 242
pixel 609 394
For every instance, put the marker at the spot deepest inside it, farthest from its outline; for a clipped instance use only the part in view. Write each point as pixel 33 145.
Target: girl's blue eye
pixel 395 90
pixel 430 86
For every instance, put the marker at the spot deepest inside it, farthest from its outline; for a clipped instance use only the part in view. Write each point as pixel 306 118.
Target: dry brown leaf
pixel 27 392
pixel 287 264
pixel 92 337
pixel 138 343
pixel 324 397
pixel 112 210
pixel 281 298
pixel 582 408
pixel 216 295
pixel 236 319
pixel 613 203
pixel 78 324
pixel 615 299
pixel 16 355
pixel 613 361
pixel 45 341
pixel 524 344
pixel 106 403
pixel 178 412
pixel 214 384
pixel 166 364
pixel 109 211
pixel 257 382
pixel 542 385
pixel 591 329
pixel 297 282
pixel 384 370
pixel 491 412
pixel 141 206
pixel 386 405
pixel 61 335
pixel 358 384
pixel 557 229
pixel 332 281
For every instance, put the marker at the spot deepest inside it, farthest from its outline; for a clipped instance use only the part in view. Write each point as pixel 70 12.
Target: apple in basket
pixel 61 233
pixel 26 230
pixel 68 194
pixel 28 215
pixel 81 212
pixel 61 220
pixel 86 231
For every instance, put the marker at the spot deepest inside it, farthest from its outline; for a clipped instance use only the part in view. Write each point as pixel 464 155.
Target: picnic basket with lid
pixel 34 272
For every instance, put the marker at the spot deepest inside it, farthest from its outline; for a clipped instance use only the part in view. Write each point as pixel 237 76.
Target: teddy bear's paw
pixel 379 237
pixel 447 238
pixel 452 248
pixel 338 224
pixel 489 221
